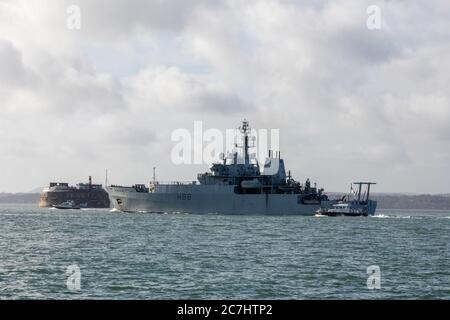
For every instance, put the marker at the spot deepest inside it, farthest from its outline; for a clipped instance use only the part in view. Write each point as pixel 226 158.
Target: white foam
pixel 319 215
pixel 391 217
pixel 381 216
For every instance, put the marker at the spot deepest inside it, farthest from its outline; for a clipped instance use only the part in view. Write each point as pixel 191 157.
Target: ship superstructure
pixel 236 185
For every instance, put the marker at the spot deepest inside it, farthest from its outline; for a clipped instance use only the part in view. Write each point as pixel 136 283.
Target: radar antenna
pixel 245 128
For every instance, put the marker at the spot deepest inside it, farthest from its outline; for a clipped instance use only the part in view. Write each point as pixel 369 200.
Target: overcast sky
pixel 351 103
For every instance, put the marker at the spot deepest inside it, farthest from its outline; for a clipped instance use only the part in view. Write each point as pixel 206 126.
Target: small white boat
pixel 351 209
pixel 84 205
pixel 69 204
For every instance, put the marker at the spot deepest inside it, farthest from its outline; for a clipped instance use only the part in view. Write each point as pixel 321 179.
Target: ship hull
pixel 208 200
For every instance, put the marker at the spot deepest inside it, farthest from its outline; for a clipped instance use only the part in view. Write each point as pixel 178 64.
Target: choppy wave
pixel 204 256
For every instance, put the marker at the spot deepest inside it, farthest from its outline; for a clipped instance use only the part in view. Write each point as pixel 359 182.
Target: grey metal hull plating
pixel 208 199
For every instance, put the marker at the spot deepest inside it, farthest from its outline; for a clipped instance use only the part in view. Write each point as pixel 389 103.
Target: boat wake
pixel 381 216
pixel 319 215
pixel 384 216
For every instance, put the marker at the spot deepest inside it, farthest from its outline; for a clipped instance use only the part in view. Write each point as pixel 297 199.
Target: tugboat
pixel 69 204
pixel 360 205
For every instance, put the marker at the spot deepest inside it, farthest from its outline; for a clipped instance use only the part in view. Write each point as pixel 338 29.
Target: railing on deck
pixel 176 182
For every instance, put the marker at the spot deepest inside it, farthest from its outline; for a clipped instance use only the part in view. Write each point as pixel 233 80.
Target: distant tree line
pixel 405 201
pixel 423 201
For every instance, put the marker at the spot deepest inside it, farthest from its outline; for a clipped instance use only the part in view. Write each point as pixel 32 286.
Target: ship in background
pixel 237 185
pixel 84 195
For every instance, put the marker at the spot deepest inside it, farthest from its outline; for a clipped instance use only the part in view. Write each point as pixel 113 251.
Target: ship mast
pixel 245 130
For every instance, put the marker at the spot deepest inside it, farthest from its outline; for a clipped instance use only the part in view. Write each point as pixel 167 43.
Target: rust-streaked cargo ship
pixel 84 195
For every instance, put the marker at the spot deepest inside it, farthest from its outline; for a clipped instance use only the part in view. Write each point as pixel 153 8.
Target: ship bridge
pixel 244 173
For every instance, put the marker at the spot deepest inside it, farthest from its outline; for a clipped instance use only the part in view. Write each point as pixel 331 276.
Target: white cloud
pixel 350 102
pixel 169 88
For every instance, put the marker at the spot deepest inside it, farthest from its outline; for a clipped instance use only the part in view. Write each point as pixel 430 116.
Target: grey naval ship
pixel 237 185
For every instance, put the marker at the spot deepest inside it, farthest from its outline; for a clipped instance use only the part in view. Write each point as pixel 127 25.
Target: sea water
pixel 104 254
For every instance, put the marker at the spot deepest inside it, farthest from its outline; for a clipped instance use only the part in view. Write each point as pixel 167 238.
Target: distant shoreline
pixel 19 198
pixel 385 201
pixel 408 201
